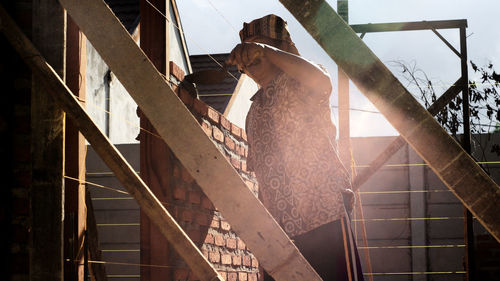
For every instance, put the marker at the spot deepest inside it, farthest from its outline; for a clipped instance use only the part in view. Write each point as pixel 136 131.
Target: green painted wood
pixel 450 162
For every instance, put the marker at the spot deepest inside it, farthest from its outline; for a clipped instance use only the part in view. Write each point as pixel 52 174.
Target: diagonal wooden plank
pixel 180 130
pixel 449 161
pixel 399 142
pixel 61 94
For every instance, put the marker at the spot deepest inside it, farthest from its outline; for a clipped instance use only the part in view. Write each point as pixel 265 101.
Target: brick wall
pixel 194 211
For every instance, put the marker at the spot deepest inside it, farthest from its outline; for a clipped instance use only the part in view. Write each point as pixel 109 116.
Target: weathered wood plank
pixel 74 201
pixel 156 159
pixel 110 155
pixel 450 162
pixel 399 142
pixel 47 149
pixel 216 176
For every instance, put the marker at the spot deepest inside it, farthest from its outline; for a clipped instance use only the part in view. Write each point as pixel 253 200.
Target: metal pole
pixel 343 101
pixel 466 144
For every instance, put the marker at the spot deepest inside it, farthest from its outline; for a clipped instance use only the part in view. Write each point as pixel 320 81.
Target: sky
pixel 212 26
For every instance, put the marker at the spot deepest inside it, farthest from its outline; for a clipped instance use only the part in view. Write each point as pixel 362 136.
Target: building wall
pixel 238 106
pixel 117 214
pixel 414 224
pixel 108 103
pixel 15 149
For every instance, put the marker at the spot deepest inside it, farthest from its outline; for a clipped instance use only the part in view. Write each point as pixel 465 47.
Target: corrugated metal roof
pixel 217 95
pixel 127 11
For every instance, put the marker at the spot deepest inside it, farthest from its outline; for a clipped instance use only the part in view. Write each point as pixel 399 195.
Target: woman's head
pixel 271 30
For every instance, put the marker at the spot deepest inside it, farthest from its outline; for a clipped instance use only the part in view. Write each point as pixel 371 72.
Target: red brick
pixel 246 152
pixel 187 215
pixel 236 260
pixel 244 166
pixel 217 134
pixel 200 107
pixel 230 143
pixel 225 225
pixel 252 276
pixel 213 115
pixel 181 274
pixel 247 261
pixel 186 176
pixel 214 257
pixel 176 172
pixel 205 253
pixel 219 240
pixel 236 162
pixel 202 219
pixel 255 262
pixel 235 130
pixel 242 276
pixel 231 243
pixel 225 123
pixel 223 275
pixel 249 184
pixel 193 277
pixel 215 223
pixel 179 193
pixel 226 259
pixel 186 97
pixel 176 71
pixel 206 203
pixel 209 239
pixel 240 149
pixel 194 197
pixel 241 244
pixel 207 128
pixel 244 135
pixel 194 235
pixel 232 276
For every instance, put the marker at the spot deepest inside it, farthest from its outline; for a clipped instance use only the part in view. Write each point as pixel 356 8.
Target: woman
pixel 292 148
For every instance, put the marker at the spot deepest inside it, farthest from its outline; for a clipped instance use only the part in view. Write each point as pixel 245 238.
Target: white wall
pixel 239 105
pixel 106 94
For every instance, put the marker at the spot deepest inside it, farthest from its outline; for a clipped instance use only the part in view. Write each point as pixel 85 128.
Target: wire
pixel 223 17
pixel 416 273
pixel 412 247
pixel 410 219
pixel 97 185
pixel 423 164
pixel 130 264
pixel 404 191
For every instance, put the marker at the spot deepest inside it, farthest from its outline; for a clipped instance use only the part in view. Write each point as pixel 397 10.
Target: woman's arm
pixel 249 57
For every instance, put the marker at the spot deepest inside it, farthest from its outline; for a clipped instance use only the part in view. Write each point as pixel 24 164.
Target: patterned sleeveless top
pixel 292 151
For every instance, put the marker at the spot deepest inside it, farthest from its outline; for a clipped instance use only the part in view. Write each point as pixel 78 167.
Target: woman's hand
pixel 246 55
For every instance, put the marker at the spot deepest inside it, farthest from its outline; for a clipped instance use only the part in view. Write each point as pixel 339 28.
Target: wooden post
pixel 58 92
pixel 75 209
pixel 155 156
pixel 458 171
pixel 47 142
pixel 197 153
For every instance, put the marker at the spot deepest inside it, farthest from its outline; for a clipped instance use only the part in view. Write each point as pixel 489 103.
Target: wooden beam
pixel 458 171
pixel 108 152
pixel 97 270
pixel 155 156
pixel 47 148
pixel 74 201
pixel 399 142
pixel 401 26
pixel 181 131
